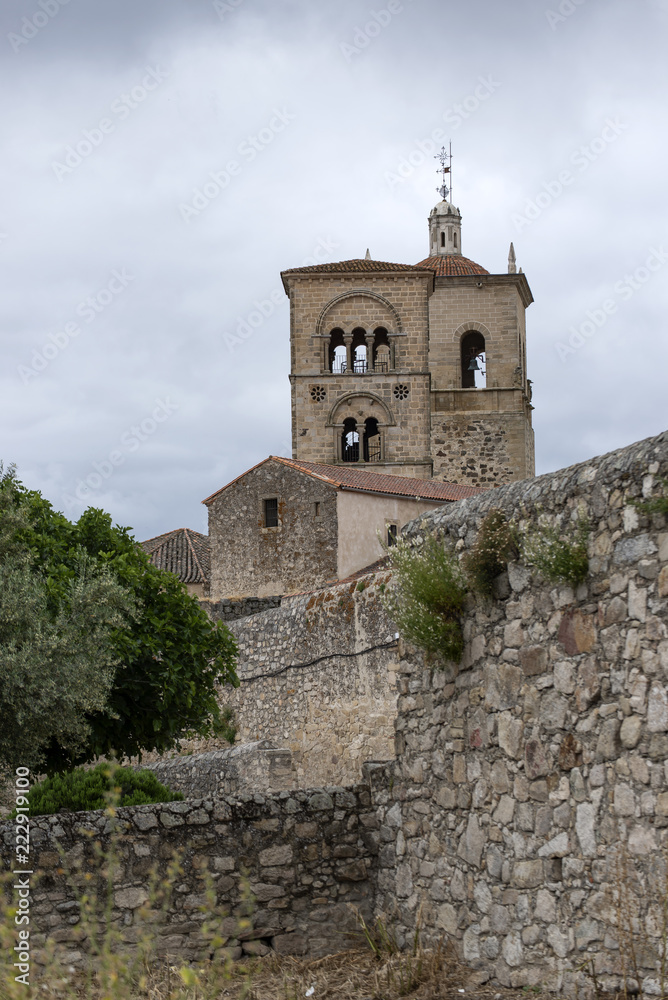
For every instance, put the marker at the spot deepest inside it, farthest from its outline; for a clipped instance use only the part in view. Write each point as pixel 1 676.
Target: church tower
pixel 413 370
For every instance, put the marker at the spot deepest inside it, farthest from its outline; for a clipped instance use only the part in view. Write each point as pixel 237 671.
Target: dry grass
pixel 348 975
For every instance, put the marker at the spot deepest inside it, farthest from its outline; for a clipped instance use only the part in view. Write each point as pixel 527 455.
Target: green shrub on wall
pixel 83 790
pixel 427 597
pixel 495 545
pixel 560 558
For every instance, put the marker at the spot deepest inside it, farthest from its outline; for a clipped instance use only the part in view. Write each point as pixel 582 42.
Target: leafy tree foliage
pixel 86 610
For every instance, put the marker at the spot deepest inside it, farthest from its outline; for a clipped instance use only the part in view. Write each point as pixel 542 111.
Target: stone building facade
pixel 417 370
pixel 287 526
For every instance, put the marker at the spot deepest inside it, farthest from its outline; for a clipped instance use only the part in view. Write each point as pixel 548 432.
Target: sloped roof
pixel 183 552
pixel 359 480
pixel 450 264
pixel 357 264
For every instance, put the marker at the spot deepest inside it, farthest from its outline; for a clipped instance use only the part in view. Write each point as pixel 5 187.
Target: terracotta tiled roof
pixel 450 264
pixel 184 552
pixel 352 265
pixel 344 477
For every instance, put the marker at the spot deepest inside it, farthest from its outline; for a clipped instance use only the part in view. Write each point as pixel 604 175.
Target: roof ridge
pixel 186 532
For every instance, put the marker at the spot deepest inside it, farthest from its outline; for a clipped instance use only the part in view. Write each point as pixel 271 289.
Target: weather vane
pixel 444 158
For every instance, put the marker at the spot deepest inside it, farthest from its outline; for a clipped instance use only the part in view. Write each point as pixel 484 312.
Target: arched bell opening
pixel 474 367
pixel 372 440
pixel 359 351
pixel 350 441
pixel 381 350
pixel 337 352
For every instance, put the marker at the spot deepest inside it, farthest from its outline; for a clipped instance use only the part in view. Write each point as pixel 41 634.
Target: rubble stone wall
pixel 247 768
pixel 304 856
pixel 318 678
pixel 530 775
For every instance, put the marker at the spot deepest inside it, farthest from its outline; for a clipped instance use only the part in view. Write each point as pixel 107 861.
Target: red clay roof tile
pixel 184 552
pixel 360 480
pixel 447 265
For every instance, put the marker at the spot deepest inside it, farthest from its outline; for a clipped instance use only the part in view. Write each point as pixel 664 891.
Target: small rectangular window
pixel 391 534
pixel 316 509
pixel 271 513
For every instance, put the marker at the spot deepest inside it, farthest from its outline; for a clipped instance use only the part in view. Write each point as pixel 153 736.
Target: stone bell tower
pixel 413 369
pixel 481 429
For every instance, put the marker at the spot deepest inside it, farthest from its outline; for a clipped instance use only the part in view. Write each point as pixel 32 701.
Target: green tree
pixel 165 657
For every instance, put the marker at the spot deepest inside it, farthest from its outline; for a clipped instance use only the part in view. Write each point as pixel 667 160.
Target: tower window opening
pixel 350 441
pixel 358 350
pixel 270 512
pixel 360 363
pixel 337 352
pixel 473 357
pixel 442 239
pixel 371 440
pixel 316 509
pixel 454 240
pixel 391 534
pixel 381 350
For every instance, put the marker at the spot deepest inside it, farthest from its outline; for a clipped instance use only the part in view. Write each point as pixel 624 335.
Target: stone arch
pixel 322 324
pixel 380 411
pixel 479 336
pixel 472 324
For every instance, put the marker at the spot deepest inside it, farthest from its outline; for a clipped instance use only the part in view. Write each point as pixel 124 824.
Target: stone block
pixel 527 874
pixel 512 949
pixel 503 683
pixel 607 746
pixel 577 632
pixel 630 732
pixel 131 898
pixel 657 709
pixel 276 856
pixel 503 814
pixel 472 842
pixel 289 944
pixel 510 731
pixel 536 762
pixel 558 847
pixel 533 660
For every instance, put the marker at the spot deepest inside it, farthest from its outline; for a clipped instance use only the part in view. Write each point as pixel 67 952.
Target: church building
pixel 409 389
pixel 414 370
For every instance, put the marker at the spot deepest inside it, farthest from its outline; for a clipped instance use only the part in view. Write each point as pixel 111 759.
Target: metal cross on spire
pixel 445 158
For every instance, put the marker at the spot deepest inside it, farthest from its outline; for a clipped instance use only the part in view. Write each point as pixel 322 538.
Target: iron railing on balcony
pixel 359 367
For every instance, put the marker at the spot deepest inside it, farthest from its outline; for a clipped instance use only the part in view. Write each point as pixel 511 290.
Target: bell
pixel 474 366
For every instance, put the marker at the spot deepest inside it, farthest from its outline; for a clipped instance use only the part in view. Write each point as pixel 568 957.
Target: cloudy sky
pixel 164 160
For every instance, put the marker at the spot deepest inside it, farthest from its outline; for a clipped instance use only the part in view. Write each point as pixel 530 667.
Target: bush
pixel 561 559
pixel 427 597
pixel 488 558
pixel 82 790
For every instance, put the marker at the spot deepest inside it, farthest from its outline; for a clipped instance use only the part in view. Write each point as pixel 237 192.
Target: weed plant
pixel 122 962
pixel 559 558
pixel 427 597
pixel 495 545
pixel 657 504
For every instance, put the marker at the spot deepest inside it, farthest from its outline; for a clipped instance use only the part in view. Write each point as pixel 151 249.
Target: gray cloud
pixel 355 102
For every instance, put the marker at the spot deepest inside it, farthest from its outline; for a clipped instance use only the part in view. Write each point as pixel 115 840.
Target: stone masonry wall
pixel 304 855
pixel 526 775
pixel 249 559
pixel 318 678
pixel 247 768
pixel 229 610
